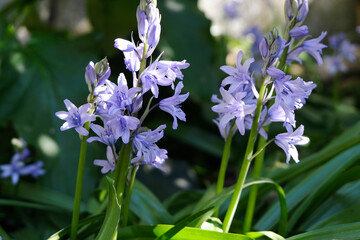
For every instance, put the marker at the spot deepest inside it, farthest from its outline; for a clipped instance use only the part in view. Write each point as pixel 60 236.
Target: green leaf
pixel 320 176
pixel 187 233
pixel 112 216
pixel 16 203
pixel 147 207
pixel 322 191
pixel 349 231
pixel 268 234
pixel 39 194
pixel 182 224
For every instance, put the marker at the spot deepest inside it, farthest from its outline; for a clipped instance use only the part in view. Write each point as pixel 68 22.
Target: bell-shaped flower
pixel 105 135
pixel 123 125
pixel 299 32
pixel 233 107
pixel 120 96
pixel 173 68
pixel 132 53
pixel 287 142
pixel 147 152
pixel 172 105
pixel 76 117
pixel 238 75
pixel 151 77
pixel 109 164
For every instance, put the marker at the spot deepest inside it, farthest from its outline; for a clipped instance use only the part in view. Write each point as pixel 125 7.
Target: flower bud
pixel 291 7
pixel 302 11
pixel 144 4
pixel 102 71
pixel 263 48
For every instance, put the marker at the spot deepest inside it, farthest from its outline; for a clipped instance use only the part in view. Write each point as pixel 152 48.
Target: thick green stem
pixel 79 184
pixel 245 165
pixel 128 196
pixel 143 60
pixel 254 189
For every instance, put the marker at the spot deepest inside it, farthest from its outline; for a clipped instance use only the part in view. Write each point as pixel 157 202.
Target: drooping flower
pixel 76 117
pixel 287 142
pixel 173 68
pixel 119 96
pixel 147 152
pixel 132 53
pixel 172 105
pixel 105 135
pixel 290 95
pixel 151 77
pixel 238 75
pixel 233 107
pixel 299 32
pixel 123 125
pixel 109 164
pixel 17 167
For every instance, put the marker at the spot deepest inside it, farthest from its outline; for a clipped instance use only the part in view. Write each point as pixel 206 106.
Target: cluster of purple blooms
pixel 118 106
pixel 236 108
pixel 18 167
pixel 344 51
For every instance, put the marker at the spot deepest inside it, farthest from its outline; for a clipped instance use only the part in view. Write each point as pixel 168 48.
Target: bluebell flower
pixel 231 9
pixel 147 152
pixel 76 117
pixel 299 32
pixel 275 73
pixel 271 47
pixel 238 75
pixel 132 53
pixel 119 96
pixel 105 135
pixel 17 168
pixel 151 77
pixel 233 107
pixel 123 125
pixel 303 10
pixel 172 105
pixel 348 50
pixel 334 64
pixel 290 95
pixel 173 68
pixel 287 142
pixel 109 164
pixel 314 47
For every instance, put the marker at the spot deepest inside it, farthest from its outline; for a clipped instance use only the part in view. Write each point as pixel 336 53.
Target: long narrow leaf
pixel 349 231
pixel 112 216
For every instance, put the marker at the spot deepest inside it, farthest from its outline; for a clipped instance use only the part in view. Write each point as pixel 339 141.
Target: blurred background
pixel 45 46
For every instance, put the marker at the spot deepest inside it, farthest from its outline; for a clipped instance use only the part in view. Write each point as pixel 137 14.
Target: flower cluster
pixel 344 51
pixel 240 98
pixel 119 106
pixel 17 166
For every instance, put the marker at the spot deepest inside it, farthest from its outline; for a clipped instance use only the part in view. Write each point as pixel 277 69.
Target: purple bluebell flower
pixel 238 75
pixel 348 50
pixel 314 47
pixel 172 105
pixel 271 47
pixel 123 125
pixel 290 95
pixel 287 142
pixel 109 164
pixel 299 32
pixel 334 64
pixel 336 40
pixel 173 68
pixel 132 53
pixel 147 152
pixel 76 117
pixel 233 107
pixel 151 77
pixel 105 135
pixel 119 96
pixel 275 73
pixel 291 7
pixel 17 168
pixel 231 9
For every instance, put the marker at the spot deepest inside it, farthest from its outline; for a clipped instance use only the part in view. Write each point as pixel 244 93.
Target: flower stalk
pixel 246 163
pixel 128 196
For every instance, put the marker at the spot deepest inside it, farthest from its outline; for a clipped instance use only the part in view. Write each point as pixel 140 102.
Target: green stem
pixel 245 165
pixel 224 163
pixel 143 60
pixel 79 184
pixel 128 195
pixel 336 92
pixel 254 189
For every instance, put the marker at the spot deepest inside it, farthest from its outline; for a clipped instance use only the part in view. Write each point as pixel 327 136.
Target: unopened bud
pixel 302 11
pixel 291 8
pixel 102 71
